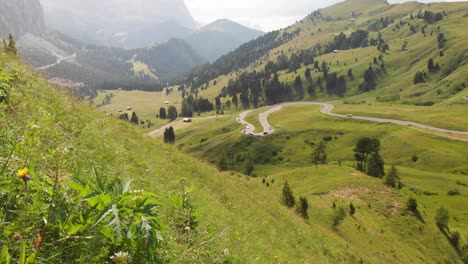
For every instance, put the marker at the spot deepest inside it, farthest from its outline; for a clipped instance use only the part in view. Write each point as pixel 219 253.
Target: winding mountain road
pixel 59 60
pixel 327 109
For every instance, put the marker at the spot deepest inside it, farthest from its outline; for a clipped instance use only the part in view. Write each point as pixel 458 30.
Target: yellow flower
pixel 23 173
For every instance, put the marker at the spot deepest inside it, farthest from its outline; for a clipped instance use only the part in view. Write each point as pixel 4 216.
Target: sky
pixel 266 15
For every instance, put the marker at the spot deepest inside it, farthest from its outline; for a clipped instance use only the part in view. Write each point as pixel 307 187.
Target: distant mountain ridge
pixel 220 37
pixel 91 67
pixel 118 23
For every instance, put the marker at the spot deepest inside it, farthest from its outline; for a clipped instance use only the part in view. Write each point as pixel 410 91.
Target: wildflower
pixel 17 237
pixel 23 174
pixel 38 242
pixel 226 251
pixel 121 258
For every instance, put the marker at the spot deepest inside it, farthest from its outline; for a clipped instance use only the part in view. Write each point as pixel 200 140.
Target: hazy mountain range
pixel 103 44
pixel 119 24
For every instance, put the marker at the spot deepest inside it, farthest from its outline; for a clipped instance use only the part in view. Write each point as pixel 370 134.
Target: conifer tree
pixel 11 45
pixel 320 156
pixel 375 166
pixel 393 178
pixel 288 196
pixel 303 207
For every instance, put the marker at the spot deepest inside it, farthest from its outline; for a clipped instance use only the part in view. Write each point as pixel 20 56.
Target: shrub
pixel 412 205
pixel 414 157
pixel 455 240
pixel 419 77
pixel 338 216
pixel 442 217
pixel 461 183
pixel 453 192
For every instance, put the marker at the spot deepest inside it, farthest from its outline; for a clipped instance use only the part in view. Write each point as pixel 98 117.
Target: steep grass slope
pixel 236 219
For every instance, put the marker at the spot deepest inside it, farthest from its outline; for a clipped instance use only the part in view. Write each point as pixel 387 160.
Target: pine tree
pixel 172 113
pixel 320 156
pixel 235 100
pixel 393 178
pixel 338 216
pixel 298 87
pixel 248 167
pixel 364 148
pixel 11 45
pixel 375 166
pixel 412 205
pixel 442 217
pixel 166 135
pixel 222 163
pixel 303 207
pixel 170 135
pixel 308 75
pixel 288 196
pixel 430 65
pixel 134 118
pixel 352 209
pixel 162 113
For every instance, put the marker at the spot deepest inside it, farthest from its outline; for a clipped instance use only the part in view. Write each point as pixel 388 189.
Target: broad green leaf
pixel 108 233
pixel 100 201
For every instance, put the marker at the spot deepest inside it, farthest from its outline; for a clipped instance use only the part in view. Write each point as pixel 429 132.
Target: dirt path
pixel 327 110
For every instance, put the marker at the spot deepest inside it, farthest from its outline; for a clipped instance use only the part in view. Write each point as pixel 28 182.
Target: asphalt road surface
pixel 327 110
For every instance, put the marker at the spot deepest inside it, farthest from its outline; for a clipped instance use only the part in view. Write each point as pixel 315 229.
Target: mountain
pixel 120 23
pixel 411 53
pixel 99 67
pixel 21 16
pixel 84 67
pixel 220 37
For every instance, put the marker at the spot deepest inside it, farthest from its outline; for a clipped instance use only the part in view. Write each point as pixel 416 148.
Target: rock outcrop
pixel 19 17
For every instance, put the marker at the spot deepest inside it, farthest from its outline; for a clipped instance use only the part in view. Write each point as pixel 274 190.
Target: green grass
pixel 449 117
pixel 142 70
pixel 300 127
pixel 239 214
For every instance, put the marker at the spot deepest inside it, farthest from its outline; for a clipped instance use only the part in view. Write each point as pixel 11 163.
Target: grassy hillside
pixel 179 209
pixel 286 156
pixel 77 156
pixel 412 33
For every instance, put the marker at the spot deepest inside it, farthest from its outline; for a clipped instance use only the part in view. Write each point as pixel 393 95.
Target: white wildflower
pixel 121 258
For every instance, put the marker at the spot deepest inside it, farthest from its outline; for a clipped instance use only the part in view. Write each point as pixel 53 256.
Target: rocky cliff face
pixel 19 17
